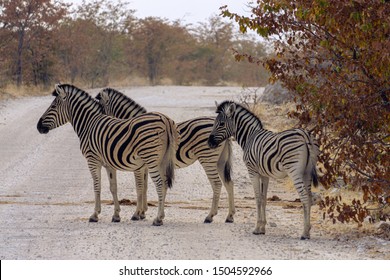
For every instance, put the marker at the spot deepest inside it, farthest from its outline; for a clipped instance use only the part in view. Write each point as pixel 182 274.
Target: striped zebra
pixel 267 155
pixel 192 147
pixel 149 141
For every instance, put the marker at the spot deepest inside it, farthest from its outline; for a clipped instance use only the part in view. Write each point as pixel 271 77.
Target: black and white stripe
pixel 149 141
pixel 267 155
pixel 193 146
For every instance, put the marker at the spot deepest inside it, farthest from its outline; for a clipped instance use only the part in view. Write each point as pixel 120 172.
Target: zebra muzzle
pixel 212 142
pixel 41 128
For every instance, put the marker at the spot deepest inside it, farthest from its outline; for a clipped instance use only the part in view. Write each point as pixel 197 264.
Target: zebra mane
pixel 73 90
pixel 117 94
pixel 239 108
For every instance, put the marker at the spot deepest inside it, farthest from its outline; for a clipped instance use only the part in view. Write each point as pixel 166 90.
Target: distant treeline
pixel 102 43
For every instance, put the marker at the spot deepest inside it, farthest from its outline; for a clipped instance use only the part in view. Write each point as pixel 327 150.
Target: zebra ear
pixel 216 103
pixel 60 92
pixel 104 96
pixel 230 110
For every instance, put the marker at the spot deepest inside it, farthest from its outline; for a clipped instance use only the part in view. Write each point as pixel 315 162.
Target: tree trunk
pixel 19 73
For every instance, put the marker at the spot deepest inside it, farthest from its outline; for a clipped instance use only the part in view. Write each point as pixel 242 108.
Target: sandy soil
pixel 46 198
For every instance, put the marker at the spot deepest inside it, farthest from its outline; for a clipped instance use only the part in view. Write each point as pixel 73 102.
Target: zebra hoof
pixel 258 232
pixel 142 216
pixel 157 222
pixel 93 220
pixel 115 219
pixel 305 237
pixel 229 220
pixel 208 220
pixel 135 218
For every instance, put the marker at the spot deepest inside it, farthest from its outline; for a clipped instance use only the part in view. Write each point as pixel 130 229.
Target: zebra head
pixel 57 113
pixel 104 99
pixel 223 126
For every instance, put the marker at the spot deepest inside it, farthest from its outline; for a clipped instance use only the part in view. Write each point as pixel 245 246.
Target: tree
pixel 180 61
pixel 26 21
pixel 333 56
pixel 241 72
pixel 92 49
pixel 154 42
pixel 77 45
pixel 100 42
pixel 215 40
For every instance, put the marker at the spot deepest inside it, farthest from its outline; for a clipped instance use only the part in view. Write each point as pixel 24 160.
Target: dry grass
pixel 130 81
pixel 12 91
pixel 274 117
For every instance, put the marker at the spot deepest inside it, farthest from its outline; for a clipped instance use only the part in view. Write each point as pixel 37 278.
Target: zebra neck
pixel 246 125
pixel 129 110
pixel 83 114
pixel 124 107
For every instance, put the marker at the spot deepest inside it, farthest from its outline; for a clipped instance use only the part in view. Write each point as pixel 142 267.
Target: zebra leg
pixel 307 207
pixel 303 186
pixel 216 184
pixel 260 188
pixel 227 182
pixel 111 173
pixel 161 192
pixel 144 195
pixel 306 213
pixel 232 209
pixel 141 194
pixel 95 170
pixel 307 226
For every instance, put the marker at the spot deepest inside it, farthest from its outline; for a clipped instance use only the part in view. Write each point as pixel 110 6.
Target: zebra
pixel 267 155
pixel 192 147
pixel 149 141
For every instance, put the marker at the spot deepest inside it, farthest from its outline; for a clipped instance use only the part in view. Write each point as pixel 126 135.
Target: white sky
pixel 188 11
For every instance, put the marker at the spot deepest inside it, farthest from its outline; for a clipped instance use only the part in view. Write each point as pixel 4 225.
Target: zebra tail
pixel 314 152
pixel 314 176
pixel 228 163
pixel 169 157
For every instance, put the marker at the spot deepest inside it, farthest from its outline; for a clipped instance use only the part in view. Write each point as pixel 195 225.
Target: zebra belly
pixel 130 164
pixel 184 162
pixel 271 169
pixel 275 174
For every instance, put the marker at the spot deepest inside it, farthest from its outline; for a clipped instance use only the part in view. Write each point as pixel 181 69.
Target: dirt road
pixel 46 197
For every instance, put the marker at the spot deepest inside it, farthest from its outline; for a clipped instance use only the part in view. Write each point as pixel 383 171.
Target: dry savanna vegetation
pixel 101 43
pixel 332 56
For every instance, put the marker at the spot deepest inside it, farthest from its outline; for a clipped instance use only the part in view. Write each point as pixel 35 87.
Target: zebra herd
pixel 118 134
